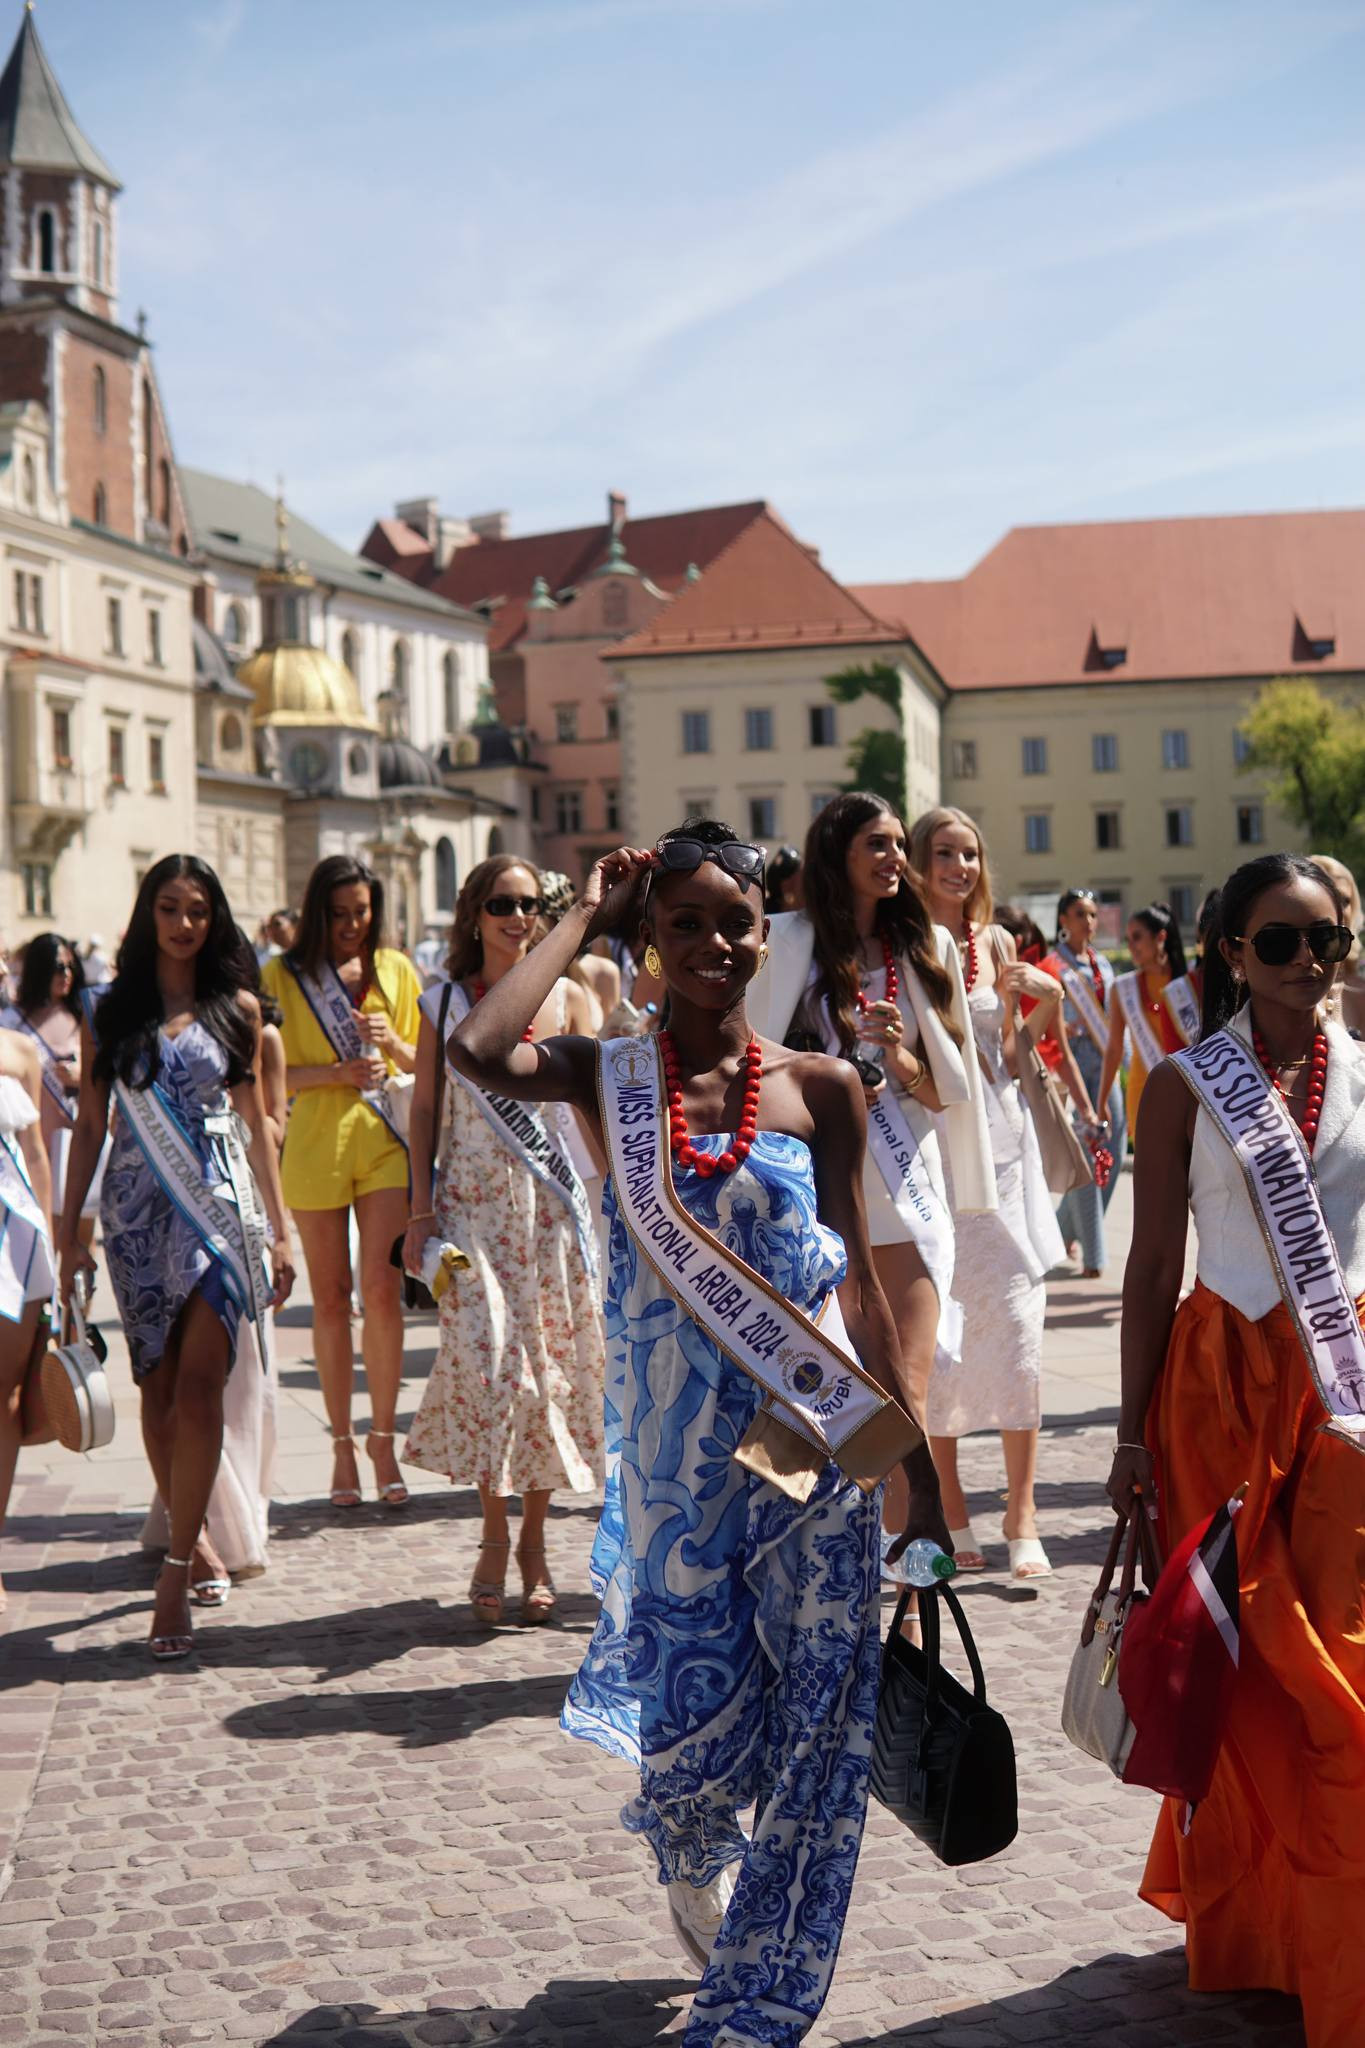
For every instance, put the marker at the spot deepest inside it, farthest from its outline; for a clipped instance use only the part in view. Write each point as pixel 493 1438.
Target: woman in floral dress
pixel 514 1402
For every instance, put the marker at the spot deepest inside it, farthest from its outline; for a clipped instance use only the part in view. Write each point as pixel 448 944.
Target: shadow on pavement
pixel 575 2013
pixel 416 1720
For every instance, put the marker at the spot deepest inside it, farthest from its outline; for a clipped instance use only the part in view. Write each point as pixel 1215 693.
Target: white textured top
pixel 17 1107
pixel 1233 1259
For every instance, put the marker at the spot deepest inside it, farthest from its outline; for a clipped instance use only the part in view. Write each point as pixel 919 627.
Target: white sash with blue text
pixel 26 1270
pixel 326 997
pixel 14 1020
pixel 1180 999
pixel 1146 1043
pixel 1229 1082
pixel 1081 991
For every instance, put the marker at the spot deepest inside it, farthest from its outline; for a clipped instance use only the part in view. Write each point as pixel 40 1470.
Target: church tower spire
pixel 58 197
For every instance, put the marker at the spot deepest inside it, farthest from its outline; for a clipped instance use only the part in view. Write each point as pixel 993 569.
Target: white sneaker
pixel 697 1911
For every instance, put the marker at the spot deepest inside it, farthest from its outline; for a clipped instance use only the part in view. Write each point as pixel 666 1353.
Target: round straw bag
pixel 80 1407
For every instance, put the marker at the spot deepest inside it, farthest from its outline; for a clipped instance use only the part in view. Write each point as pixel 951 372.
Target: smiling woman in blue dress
pixel 175 1041
pixel 735 1659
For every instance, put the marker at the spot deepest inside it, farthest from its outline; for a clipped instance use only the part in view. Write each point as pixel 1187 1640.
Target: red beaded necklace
pixel 481 990
pixel 1317 1081
pixel 969 965
pixel 1095 974
pixel 893 980
pixel 684 1151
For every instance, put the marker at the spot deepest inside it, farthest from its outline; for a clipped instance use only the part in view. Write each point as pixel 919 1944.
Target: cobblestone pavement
pixel 355 1820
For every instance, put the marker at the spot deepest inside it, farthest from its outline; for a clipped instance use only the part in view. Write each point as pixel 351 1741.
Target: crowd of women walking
pixel 750 1275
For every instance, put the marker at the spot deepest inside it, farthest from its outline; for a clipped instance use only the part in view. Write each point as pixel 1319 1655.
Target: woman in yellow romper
pixel 350 1023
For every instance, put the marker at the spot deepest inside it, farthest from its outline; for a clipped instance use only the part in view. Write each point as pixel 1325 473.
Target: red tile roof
pixel 502 572
pixel 766 590
pixel 1184 598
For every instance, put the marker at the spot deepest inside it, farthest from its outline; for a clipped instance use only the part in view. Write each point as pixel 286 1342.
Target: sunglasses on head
pixel 685 856
pixel 509 906
pixel 1275 945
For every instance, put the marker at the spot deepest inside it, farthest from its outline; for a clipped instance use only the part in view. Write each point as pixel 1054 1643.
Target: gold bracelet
pixel 921 1075
pixel 422 1216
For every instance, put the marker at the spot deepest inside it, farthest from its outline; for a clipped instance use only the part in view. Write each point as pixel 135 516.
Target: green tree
pixel 876 757
pixel 1313 749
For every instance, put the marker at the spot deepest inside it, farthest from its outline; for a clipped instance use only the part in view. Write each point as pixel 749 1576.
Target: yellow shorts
pixel 336 1149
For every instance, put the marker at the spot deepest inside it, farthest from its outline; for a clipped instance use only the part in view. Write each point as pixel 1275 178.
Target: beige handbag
pixel 76 1393
pixel 1094 1717
pixel 1067 1164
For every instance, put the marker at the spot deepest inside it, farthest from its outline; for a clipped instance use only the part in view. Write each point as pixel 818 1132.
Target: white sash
pixel 326 997
pixel 1180 1000
pixel 25 1252
pixel 523 1131
pixel 820 1389
pixel 15 1020
pixel 1081 990
pixel 1146 1043
pixel 221 1205
pixel 1229 1082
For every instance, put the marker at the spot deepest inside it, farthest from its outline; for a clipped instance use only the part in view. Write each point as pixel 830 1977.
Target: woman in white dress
pixel 26 1263
pixel 1002 1257
pixel 514 1401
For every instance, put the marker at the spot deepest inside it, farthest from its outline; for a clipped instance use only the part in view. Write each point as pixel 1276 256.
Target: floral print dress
pixel 514 1402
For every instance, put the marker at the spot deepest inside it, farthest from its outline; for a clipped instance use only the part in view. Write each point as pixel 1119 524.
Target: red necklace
pixel 481 990
pixel 969 965
pixel 1095 974
pixel 684 1151
pixel 1317 1081
pixel 893 980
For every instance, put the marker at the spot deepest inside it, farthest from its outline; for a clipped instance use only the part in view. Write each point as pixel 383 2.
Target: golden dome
pixel 296 685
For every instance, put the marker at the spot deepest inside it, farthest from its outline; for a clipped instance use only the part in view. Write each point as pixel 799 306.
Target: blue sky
pixel 915 272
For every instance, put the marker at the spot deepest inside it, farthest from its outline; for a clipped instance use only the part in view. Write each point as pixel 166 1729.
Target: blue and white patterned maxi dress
pixel 735 1658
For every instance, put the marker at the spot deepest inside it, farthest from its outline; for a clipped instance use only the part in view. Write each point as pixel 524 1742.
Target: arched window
pixel 30 477
pixel 101 400
pixel 47 241
pixel 350 652
pixel 164 491
pixel 99 252
pixel 234 627
pixel 450 679
pixel 101 506
pixel 398 669
pixel 445 875
pixel 496 839
pixel 230 734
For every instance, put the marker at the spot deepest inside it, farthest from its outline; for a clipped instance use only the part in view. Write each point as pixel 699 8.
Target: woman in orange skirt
pixel 1218 1392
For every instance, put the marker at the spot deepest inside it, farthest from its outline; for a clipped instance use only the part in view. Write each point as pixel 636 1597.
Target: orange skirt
pixel 1270 1882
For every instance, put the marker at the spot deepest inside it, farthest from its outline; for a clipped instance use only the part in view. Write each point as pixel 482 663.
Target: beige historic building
pixel 724 707
pixel 1096 679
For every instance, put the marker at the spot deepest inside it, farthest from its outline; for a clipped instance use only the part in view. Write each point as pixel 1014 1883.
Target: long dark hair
pixel 1065 902
pixel 466 941
pixel 1159 920
pixel 310 949
pixel 903 918
pixel 129 1016
pixel 1222 996
pixel 40 964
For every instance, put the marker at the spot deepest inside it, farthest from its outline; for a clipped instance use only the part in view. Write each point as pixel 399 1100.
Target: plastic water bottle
pixel 923 1564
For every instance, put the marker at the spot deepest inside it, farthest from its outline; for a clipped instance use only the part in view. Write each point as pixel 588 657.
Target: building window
pixel 47 241
pixel 231 734
pixel 445 875
pixel 820 799
pixel 964 760
pixel 234 631
pixel 823 731
pixel 763 817
pixel 37 880
pixel 1241 748
pixel 398 670
pixel 1250 825
pixel 696 732
pixel 1107 838
pixel 566 722
pixel 113 625
pixel 30 482
pixel 535 803
pixel 1035 757
pixel 118 757
pixel 611 807
pixel 568 810
pixel 61 736
pixel 101 400
pixel 450 689
pixel 28 602
pixel 1179 825
pixel 1180 896
pixel 155 654
pixel 758 731
pixel 1037 832
pixel 101 506
pixel 163 493
pixel 1104 753
pixel 98 264
pixel 615 605
pixel 156 763
pixel 612 714
pixel 1175 749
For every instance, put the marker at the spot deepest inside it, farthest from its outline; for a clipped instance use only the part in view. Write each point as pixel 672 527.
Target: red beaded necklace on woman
pixel 1317 1082
pixel 684 1152
pixel 970 963
pixel 893 980
pixel 481 990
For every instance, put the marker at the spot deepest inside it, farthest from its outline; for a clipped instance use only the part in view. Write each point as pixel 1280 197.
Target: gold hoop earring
pixel 762 959
pixel 653 964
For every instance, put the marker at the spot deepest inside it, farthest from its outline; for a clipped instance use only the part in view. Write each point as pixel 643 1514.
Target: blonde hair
pixel 979 908
pixel 1349 893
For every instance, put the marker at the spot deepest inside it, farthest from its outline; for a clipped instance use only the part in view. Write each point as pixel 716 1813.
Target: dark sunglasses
pixel 508 906
pixel 685 856
pixel 1275 945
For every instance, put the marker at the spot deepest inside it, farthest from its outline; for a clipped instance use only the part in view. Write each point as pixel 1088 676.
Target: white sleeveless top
pixel 1233 1260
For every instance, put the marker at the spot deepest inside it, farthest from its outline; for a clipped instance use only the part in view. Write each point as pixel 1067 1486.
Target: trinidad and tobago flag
pixel 1179 1659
